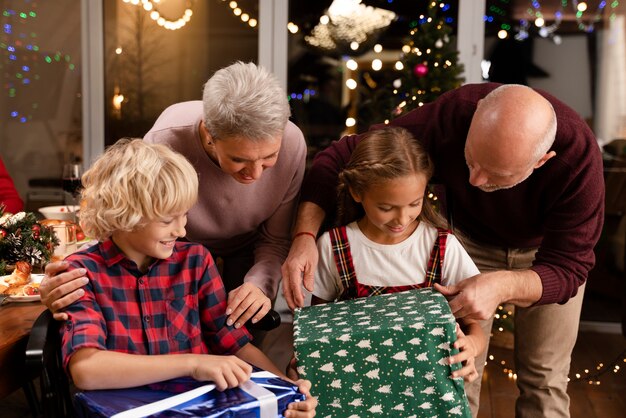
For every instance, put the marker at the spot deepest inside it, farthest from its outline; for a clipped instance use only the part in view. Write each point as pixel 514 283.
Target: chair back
pixel 43 358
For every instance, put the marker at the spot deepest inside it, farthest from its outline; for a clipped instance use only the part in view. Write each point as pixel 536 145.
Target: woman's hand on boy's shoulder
pixel 246 302
pixel 60 288
pixel 303 409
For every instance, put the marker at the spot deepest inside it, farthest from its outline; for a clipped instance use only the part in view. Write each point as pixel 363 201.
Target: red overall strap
pixel 343 260
pixel 435 263
pixel 353 288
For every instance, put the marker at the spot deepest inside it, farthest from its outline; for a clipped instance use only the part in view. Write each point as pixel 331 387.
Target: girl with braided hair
pixel 392 239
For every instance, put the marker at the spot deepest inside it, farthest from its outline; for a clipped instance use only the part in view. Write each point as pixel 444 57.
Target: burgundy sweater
pixel 559 208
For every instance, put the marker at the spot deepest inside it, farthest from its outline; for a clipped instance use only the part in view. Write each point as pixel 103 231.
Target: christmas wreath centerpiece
pixel 23 238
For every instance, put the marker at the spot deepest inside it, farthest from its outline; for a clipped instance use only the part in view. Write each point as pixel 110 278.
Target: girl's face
pixel 156 239
pixel 391 208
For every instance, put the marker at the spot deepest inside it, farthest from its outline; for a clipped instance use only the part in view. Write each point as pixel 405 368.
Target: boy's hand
pixel 292 371
pixel 60 288
pixel 245 302
pixel 225 372
pixel 306 408
pixel 466 356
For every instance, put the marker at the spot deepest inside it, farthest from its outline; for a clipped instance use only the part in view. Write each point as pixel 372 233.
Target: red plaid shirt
pixel 178 306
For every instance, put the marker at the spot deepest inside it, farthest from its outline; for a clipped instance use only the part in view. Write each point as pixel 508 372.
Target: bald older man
pixel 525 194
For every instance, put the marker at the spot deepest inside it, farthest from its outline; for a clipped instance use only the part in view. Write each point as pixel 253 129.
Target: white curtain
pixel 610 114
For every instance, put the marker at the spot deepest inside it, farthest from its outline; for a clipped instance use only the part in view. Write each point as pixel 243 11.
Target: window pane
pixel 149 67
pixel 40 105
pixel 343 63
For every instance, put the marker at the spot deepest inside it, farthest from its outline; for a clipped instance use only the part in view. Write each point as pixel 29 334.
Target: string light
pixel 601 368
pixel 586 23
pixel 247 17
pixel 24 61
pixel 304 96
pixel 581 7
pixel 151 7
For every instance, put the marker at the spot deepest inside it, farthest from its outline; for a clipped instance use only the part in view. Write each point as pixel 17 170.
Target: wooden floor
pixel 607 400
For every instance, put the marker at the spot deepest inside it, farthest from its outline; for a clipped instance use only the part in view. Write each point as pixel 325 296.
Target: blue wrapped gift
pixel 264 396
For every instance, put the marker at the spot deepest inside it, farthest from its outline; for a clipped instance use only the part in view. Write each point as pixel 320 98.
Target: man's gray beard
pixel 488 188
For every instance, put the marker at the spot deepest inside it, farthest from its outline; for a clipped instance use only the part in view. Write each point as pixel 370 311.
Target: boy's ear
pixel 355 196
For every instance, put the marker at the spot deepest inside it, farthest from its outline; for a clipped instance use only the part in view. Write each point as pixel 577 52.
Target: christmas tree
pixel 430 62
pixel 23 238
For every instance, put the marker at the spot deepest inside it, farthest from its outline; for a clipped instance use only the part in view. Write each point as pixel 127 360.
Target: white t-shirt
pixel 399 264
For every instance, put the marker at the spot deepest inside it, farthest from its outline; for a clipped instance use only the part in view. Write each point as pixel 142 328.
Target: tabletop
pixel 16 321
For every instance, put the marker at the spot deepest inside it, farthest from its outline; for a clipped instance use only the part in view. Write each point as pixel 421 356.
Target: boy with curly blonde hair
pixel 154 308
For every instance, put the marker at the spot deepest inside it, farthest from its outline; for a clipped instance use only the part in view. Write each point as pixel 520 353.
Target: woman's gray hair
pixel 244 100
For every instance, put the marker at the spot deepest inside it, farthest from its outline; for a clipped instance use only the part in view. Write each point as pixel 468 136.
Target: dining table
pixel 16 321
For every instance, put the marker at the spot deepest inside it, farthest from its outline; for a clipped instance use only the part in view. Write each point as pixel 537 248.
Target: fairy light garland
pixel 581 7
pixel 586 22
pixel 586 375
pixel 247 17
pixel 151 7
pixel 242 14
pixel 24 62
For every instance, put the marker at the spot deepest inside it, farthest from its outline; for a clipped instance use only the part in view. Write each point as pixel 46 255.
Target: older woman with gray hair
pixel 250 160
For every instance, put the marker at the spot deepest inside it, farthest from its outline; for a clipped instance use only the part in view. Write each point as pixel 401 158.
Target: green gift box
pixel 381 356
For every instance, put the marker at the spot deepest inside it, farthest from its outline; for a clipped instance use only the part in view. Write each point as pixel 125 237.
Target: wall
pixel 568 70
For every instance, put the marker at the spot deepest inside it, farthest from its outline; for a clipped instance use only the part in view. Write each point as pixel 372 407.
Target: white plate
pixel 34 278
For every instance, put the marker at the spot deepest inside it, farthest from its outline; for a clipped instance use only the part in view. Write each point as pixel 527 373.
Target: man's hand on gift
pixel 306 408
pixel 225 372
pixel 245 302
pixel 466 356
pixel 478 297
pixel 474 298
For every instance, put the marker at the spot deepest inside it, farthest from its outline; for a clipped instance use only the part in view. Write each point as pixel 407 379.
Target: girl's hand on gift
pixel 466 356
pixel 245 302
pixel 225 372
pixel 303 409
pixel 468 372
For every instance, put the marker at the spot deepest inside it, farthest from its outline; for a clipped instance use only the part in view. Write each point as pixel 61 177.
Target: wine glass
pixel 71 183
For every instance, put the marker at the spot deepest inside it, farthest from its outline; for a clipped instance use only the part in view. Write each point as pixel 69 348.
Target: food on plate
pixel 20 283
pixel 21 274
pixel 30 289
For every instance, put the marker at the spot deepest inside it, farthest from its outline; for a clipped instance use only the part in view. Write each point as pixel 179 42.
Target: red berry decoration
pixel 3 233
